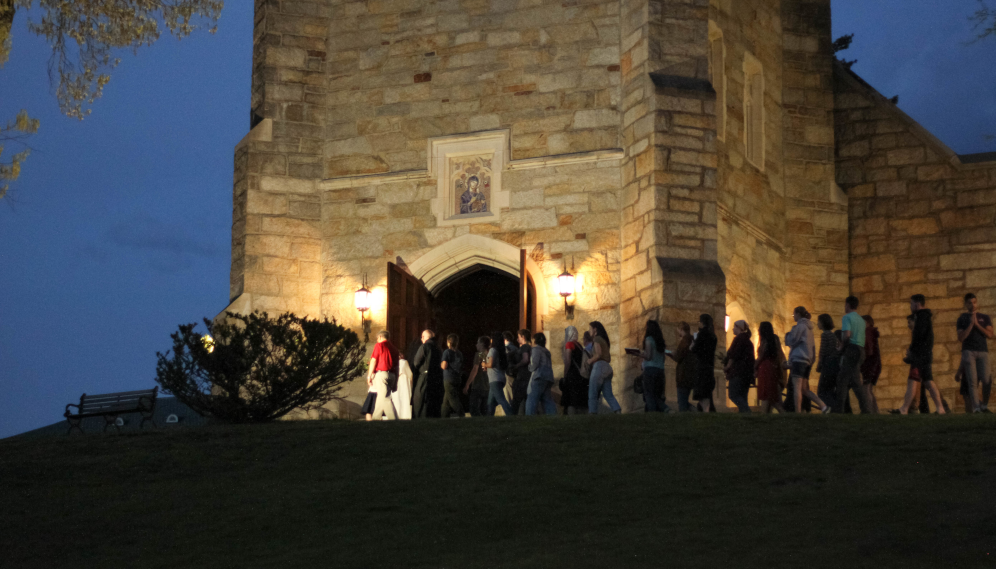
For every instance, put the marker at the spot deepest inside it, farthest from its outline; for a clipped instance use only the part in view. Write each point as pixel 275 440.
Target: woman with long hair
pixel 684 366
pixel 704 350
pixel 600 382
pixel 768 368
pixel 574 387
pixel 653 368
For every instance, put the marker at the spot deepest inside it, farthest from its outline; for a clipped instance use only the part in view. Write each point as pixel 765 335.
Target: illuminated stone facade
pixel 615 155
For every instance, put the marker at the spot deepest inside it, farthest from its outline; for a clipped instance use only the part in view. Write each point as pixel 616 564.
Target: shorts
pixel 922 372
pixel 801 369
pixel 369 404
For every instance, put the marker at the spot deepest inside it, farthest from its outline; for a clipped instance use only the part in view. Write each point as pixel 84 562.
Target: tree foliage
pixel 842 43
pixel 15 131
pixel 86 36
pixel 985 20
pixel 256 368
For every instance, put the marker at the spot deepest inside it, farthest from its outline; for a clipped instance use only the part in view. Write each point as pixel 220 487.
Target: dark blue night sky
pixel 120 226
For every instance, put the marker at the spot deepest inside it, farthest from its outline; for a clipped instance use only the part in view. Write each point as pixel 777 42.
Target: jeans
pixel 653 383
pixel 683 395
pixel 976 368
pixel 451 400
pixel 601 384
pixel 850 378
pixel 496 397
pixel 540 390
pixel 739 387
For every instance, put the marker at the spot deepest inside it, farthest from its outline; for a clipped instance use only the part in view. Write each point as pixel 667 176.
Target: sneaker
pixel 977 411
pixel 826 410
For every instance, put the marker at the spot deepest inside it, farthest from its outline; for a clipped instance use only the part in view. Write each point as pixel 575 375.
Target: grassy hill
pixel 607 491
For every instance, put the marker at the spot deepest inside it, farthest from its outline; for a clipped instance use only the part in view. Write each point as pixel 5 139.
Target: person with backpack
pixel 541 378
pixel 520 369
pixel 739 365
pixel 382 375
pixel 574 386
pixel 802 346
pixel 654 379
pixel 920 356
pixel 516 397
pixel 600 382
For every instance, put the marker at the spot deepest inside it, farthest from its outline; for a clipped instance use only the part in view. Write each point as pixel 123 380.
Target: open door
pixel 409 308
pixel 528 316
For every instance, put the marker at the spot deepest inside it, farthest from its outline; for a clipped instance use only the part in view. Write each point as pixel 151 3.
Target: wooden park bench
pixel 110 405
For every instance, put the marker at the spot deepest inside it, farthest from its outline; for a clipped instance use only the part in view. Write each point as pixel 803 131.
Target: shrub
pixel 254 368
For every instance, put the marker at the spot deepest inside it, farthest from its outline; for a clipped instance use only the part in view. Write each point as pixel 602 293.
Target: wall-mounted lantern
pixel 362 300
pixel 565 285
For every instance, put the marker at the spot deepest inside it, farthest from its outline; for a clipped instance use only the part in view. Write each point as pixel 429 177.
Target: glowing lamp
pixel 565 286
pixel 208 343
pixel 362 299
pixel 727 325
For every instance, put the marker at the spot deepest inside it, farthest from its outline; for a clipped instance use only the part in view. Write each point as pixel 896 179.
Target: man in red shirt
pixel 383 375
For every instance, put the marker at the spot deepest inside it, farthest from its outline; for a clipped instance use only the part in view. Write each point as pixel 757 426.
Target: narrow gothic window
pixel 754 111
pixel 717 72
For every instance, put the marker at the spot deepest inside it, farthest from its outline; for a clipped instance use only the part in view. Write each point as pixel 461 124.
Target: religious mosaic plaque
pixel 468 177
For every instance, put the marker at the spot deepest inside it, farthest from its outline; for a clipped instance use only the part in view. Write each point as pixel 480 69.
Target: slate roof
pixel 165 406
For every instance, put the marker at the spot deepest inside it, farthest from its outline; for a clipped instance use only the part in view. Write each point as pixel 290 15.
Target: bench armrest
pixel 67 413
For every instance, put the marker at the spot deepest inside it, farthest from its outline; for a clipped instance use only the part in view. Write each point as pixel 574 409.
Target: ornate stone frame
pixel 494 144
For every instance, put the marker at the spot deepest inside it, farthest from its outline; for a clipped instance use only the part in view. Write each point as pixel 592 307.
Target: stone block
pixel 920 226
pixel 266 204
pixel 529 219
pixel 873 264
pixel 905 156
pixel 290 226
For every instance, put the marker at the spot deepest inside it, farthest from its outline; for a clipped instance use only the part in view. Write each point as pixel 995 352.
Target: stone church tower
pixel 678 156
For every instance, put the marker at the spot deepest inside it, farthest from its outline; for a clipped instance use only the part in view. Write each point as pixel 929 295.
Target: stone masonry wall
pixel 752 228
pixel 922 222
pixel 669 177
pixel 817 232
pixel 276 243
pixel 402 71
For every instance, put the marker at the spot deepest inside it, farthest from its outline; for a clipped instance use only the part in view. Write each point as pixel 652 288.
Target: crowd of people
pixel 515 371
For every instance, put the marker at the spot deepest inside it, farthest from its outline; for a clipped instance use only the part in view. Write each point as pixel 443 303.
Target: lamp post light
pixel 565 284
pixel 362 300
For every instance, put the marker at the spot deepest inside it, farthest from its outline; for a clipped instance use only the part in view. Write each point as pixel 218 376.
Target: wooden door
pixel 409 308
pixel 528 315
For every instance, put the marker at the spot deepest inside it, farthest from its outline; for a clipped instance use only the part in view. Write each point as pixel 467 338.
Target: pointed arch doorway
pixel 470 286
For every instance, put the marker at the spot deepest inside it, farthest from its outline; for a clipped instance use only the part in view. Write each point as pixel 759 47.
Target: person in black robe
pixel 427 397
pixel 704 350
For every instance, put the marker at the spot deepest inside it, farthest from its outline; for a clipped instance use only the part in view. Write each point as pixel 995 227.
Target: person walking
pixel 853 328
pixel 975 329
pixel 920 356
pixel 574 387
pixel 541 378
pixel 600 382
pixel 684 375
pixel 872 368
pixel 704 350
pixel 520 367
pixel 476 388
pixel 495 363
pixel 512 350
pixel 770 369
pixel 452 365
pixel 739 365
pixel 425 401
pixel 828 364
pixel 653 357
pixel 802 352
pixel 382 375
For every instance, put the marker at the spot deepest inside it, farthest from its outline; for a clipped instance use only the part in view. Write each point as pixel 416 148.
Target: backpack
pixel 512 351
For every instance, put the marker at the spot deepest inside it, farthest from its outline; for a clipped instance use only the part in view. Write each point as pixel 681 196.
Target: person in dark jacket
pixel 920 356
pixel 684 372
pixel 427 397
pixel 739 365
pixel 704 350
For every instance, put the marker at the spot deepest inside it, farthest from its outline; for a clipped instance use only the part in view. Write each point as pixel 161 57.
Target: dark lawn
pixel 608 491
